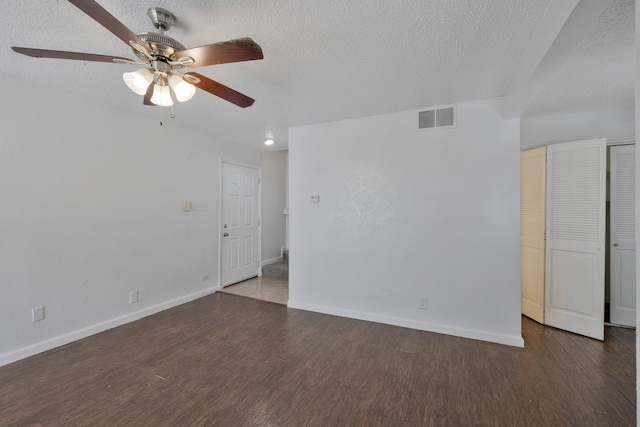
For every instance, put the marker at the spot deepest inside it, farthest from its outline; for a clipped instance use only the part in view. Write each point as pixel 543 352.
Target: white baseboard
pixel 271 261
pixel 476 334
pixel 31 350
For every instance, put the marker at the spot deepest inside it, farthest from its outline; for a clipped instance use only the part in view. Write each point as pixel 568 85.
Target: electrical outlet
pixel 423 304
pixel 37 314
pixel 133 297
pixel 204 277
pixel 314 198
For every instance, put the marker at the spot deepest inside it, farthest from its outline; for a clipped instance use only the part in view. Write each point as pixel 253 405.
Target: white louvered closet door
pixel 532 229
pixel 623 235
pixel 574 286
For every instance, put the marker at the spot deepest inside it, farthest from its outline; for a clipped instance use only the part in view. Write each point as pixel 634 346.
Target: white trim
pixel 271 261
pixel 625 140
pixel 244 165
pixel 512 340
pixel 220 222
pixel 259 221
pixel 221 214
pixel 60 340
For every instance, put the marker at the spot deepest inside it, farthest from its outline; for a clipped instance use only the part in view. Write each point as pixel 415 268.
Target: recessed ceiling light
pixel 268 142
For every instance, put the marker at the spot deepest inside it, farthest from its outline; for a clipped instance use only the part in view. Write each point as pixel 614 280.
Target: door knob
pixel 225 234
pixel 615 244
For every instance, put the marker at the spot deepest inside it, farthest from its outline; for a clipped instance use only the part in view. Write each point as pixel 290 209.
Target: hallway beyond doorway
pixel 270 289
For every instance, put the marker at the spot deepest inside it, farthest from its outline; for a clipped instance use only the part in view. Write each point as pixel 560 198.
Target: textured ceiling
pixel 597 73
pixel 324 60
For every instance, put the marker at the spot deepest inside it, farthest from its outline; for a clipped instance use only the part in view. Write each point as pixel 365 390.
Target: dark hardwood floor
pixel 230 361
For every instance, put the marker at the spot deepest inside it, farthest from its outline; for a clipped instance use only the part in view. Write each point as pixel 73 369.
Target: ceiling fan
pixel 162 58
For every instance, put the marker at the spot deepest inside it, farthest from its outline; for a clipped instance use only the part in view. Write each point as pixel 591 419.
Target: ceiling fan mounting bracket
pixel 162 19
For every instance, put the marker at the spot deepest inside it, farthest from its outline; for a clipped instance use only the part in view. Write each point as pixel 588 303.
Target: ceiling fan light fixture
pixel 138 81
pixel 161 96
pixel 162 56
pixel 183 90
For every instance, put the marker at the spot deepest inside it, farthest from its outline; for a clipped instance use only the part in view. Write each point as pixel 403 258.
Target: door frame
pixel 221 213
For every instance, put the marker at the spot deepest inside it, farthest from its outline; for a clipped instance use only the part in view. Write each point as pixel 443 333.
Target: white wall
pixel 91 209
pixel 637 123
pixel 274 185
pixel 405 214
pixel 610 123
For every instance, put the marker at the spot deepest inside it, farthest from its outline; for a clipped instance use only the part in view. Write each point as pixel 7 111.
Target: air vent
pixel 435 118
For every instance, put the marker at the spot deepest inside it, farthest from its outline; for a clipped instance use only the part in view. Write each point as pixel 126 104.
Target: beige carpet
pixel 263 288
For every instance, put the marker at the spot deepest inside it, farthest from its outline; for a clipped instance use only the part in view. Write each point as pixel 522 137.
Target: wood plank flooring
pixel 225 360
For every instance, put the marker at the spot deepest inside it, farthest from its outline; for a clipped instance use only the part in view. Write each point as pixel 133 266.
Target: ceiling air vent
pixel 436 118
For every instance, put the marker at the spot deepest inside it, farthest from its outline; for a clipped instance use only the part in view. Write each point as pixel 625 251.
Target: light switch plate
pixel 37 314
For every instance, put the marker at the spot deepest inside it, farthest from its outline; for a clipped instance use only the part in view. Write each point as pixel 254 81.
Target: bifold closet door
pixel 623 235
pixel 532 230
pixel 574 285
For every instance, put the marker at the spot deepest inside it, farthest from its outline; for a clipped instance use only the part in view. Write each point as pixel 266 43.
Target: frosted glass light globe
pixel 161 96
pixel 138 81
pixel 183 90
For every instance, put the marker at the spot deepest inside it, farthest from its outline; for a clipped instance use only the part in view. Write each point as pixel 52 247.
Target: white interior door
pixel 532 231
pixel 623 235
pixel 574 286
pixel 240 223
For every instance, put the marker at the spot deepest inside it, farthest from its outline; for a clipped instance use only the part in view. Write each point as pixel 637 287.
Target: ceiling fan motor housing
pixel 162 46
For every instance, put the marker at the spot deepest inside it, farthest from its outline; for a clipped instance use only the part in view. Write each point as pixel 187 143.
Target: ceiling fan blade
pixel 60 54
pixel 148 95
pixel 222 53
pixel 104 18
pixel 221 90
